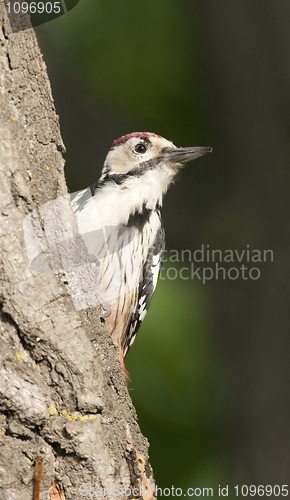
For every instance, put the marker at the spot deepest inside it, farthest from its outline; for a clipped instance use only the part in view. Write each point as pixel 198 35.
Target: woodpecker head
pixel 147 163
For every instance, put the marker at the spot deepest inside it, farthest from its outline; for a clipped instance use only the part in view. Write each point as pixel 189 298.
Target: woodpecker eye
pixel 140 148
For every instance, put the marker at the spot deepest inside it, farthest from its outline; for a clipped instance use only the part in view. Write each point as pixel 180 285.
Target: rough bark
pixel 63 396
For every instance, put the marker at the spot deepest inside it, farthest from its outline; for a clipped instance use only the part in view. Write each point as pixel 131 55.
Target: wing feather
pixel 147 286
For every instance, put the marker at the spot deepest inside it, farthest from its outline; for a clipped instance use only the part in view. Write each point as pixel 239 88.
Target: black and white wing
pixel 147 286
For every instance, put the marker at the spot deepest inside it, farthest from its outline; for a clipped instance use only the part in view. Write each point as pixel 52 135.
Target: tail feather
pixel 125 371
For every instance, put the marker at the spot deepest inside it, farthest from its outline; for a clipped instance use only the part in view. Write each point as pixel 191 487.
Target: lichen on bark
pixel 62 392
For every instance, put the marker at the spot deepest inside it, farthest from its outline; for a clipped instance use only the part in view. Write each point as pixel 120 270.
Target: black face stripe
pixel 116 178
pixel 94 187
pixel 119 179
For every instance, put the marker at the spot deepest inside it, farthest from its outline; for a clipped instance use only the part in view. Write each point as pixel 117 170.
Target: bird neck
pixel 119 200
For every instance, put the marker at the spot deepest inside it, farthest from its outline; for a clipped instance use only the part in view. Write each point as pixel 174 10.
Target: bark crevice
pixel 63 396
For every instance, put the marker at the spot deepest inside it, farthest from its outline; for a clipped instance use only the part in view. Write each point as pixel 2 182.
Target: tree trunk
pixel 63 396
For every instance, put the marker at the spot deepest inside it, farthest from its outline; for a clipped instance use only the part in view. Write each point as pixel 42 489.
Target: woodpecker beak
pixel 183 155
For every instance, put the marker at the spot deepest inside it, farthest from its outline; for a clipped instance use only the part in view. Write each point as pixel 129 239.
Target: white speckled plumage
pixel 137 172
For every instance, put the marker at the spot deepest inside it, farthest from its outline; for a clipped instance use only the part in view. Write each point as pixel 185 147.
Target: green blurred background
pixel 210 366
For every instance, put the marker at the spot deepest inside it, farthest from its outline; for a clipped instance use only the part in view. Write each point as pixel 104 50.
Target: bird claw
pixel 107 309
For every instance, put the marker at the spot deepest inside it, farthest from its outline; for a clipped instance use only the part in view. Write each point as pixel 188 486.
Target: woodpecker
pixel 126 203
